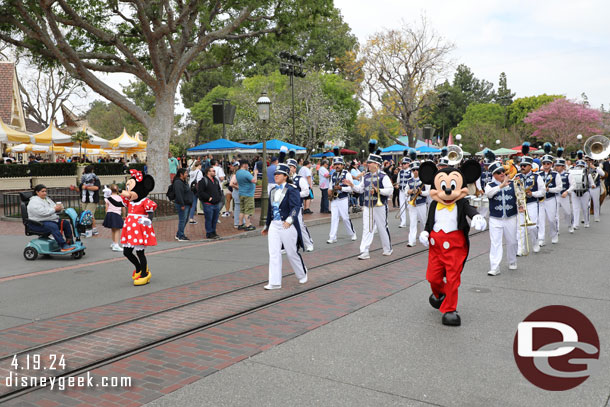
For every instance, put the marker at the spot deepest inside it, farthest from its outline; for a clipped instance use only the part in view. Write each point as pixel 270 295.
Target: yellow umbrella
pixel 34 148
pixel 94 141
pixel 10 135
pixel 125 141
pixel 51 135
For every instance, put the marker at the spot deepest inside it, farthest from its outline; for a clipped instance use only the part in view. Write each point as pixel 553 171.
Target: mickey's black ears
pixel 149 183
pixel 427 171
pixel 471 170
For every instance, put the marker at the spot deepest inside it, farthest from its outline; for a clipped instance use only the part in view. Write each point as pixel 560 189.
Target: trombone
pixel 521 194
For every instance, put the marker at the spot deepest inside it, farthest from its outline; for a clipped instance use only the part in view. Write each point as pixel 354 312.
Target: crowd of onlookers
pixel 35 159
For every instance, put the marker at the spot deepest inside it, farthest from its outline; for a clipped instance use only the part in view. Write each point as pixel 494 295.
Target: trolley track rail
pixel 7 394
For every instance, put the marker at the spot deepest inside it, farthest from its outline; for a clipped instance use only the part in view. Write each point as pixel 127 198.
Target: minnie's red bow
pixel 136 174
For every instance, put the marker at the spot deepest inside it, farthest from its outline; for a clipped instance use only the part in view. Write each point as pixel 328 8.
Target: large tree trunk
pixel 159 133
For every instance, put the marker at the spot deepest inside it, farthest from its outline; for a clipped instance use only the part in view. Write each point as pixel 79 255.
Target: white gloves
pixel 107 191
pixel 144 221
pixel 424 238
pixel 478 222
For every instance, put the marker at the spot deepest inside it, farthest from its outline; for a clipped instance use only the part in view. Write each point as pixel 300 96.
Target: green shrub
pixel 108 169
pixel 37 170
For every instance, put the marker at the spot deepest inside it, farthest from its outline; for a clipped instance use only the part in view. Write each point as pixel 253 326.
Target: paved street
pixel 371 339
pixel 396 352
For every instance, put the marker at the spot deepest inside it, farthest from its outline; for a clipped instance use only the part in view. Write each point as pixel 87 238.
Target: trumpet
pixel 415 196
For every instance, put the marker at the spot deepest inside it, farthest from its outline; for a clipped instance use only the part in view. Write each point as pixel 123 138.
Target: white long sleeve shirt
pixel 42 210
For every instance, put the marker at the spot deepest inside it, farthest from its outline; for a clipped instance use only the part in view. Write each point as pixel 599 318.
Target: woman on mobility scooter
pixel 42 209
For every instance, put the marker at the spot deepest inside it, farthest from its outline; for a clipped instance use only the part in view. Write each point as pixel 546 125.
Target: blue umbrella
pixel 427 150
pixel 275 145
pixel 396 148
pixel 320 155
pixel 219 146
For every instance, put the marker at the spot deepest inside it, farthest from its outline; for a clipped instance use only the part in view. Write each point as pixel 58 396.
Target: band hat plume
pixel 374 153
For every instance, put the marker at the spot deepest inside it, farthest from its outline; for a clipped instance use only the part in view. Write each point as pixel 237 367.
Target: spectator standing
pixel 324 176
pixel 356 175
pixel 210 195
pixel 246 183
pixel 220 176
pixel 173 166
pixel 271 174
pixel 195 175
pixel 114 216
pixel 237 216
pixel 183 201
pixel 305 172
pixel 90 193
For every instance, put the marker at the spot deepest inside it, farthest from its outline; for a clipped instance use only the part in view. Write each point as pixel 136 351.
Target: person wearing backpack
pixel 210 194
pixel 195 175
pixel 183 202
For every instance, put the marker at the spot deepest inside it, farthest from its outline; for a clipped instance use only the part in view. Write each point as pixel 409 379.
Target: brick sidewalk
pixel 166 368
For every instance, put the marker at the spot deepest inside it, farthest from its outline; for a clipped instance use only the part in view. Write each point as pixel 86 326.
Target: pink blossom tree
pixel 562 120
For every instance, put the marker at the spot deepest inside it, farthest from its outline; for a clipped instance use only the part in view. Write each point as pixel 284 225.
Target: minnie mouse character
pixel 137 230
pixel 446 232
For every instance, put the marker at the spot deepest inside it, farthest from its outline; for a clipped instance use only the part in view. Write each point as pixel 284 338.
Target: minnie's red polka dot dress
pixel 134 233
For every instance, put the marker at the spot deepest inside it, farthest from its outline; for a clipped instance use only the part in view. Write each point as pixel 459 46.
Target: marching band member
pixel 403 177
pixel 339 205
pixel 283 229
pixel 376 184
pixel 443 161
pixel 303 186
pixel 547 205
pixel 563 199
pixel 595 188
pixel 417 194
pixel 502 218
pixel 486 177
pixel 532 183
pixel 579 191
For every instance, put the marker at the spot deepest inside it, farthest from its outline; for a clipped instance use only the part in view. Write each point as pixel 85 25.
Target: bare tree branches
pixel 399 67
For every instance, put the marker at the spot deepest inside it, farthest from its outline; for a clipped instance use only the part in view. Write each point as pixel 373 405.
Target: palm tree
pixel 80 137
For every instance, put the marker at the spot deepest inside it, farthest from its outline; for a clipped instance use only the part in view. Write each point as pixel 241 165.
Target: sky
pixel 553 46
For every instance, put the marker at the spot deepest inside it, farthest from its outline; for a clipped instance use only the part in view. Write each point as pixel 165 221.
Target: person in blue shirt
pixel 271 173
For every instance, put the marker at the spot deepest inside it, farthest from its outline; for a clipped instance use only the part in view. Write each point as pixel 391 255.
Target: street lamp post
pixel 263 105
pixel 292 65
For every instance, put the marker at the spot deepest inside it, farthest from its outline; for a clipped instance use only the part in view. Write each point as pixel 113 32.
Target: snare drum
pixel 484 202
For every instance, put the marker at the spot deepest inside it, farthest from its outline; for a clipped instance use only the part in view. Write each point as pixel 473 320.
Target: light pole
pixel 263 105
pixel 292 65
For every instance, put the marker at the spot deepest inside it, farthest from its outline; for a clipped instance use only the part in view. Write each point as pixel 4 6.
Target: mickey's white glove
pixel 424 238
pixel 144 221
pixel 107 191
pixel 479 222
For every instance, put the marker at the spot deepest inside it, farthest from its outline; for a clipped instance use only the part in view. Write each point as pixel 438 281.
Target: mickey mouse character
pixel 446 232
pixel 137 230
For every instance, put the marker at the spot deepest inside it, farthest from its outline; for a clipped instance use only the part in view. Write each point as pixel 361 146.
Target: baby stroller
pixel 44 244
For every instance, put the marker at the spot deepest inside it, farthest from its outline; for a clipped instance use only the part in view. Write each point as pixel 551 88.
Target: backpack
pixel 86 218
pixel 171 194
pixel 194 184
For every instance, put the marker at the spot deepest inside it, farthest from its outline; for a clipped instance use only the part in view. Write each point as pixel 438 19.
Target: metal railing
pixel 72 199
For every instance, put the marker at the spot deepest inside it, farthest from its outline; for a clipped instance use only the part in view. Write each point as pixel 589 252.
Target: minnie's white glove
pixel 479 222
pixel 144 221
pixel 424 238
pixel 107 191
